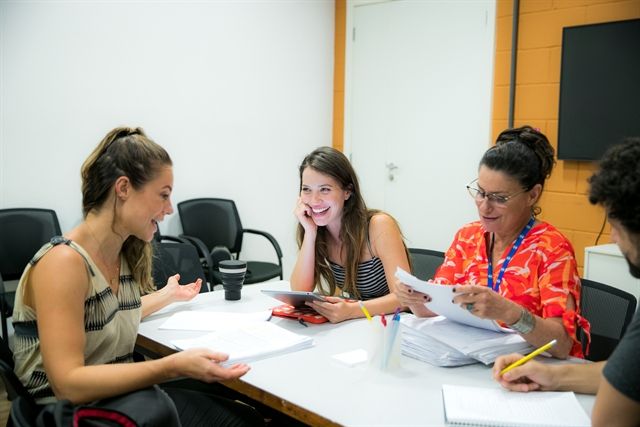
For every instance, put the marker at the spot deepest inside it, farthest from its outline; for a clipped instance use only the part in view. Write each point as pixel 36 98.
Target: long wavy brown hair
pixel 126 152
pixel 355 221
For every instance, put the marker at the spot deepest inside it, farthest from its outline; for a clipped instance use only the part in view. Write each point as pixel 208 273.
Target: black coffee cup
pixel 232 274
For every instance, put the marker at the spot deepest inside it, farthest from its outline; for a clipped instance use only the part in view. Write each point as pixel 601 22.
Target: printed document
pixel 211 320
pixel 441 303
pixel 248 342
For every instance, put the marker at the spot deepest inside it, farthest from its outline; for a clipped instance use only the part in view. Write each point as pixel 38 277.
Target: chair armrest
pixel 4 309
pixel 2 291
pixel 271 239
pixel 203 252
pixel 176 239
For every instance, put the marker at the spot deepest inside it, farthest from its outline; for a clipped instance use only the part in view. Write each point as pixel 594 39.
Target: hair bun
pixel 536 141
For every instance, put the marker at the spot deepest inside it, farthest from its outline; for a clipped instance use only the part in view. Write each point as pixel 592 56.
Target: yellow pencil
pixel 365 311
pixel 529 356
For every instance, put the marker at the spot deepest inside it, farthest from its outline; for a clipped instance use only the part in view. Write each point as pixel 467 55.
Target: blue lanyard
pixel 512 252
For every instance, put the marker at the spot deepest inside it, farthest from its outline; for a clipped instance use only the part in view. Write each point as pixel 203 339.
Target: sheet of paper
pixel 441 302
pixel 212 320
pixel 353 357
pixel 249 341
pixel 499 407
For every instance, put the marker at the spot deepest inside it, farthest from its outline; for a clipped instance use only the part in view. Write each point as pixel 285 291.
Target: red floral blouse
pixel 540 276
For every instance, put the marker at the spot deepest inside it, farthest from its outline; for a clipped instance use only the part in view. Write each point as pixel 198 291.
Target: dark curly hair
pixel 616 184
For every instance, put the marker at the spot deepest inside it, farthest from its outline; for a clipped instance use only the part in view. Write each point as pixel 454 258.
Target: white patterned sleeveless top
pixel 110 324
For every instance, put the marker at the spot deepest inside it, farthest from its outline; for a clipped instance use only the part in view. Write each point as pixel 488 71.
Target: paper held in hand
pixel 442 304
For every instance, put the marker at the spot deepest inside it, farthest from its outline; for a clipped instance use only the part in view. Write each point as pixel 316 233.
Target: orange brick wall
pixel 564 202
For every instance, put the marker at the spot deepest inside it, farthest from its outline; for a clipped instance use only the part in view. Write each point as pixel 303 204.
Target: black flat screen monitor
pixel 599 88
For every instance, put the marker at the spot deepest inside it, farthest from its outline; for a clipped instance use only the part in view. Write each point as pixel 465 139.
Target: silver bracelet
pixel 525 323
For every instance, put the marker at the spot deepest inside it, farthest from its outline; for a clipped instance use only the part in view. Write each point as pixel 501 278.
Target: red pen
pixel 383 319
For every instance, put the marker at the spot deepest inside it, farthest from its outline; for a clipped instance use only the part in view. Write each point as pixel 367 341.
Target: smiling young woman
pixel 345 248
pixel 81 298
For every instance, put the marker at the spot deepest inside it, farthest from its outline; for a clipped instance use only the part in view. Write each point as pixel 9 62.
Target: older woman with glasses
pixel 509 266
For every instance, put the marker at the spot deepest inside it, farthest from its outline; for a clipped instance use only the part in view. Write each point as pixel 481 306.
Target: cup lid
pixel 232 264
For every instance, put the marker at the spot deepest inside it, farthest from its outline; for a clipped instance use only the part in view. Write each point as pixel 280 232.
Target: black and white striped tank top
pixel 370 279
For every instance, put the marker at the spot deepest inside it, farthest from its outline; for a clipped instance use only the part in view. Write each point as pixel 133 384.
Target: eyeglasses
pixel 497 199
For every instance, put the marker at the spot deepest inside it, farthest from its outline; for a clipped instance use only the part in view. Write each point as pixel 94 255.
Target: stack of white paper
pixel 421 346
pixel 248 342
pixel 442 342
pixel 456 337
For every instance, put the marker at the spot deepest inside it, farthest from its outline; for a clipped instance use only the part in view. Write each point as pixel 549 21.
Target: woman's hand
pixel 204 365
pixel 177 292
pixel 408 296
pixel 172 292
pixel 413 299
pixel 302 211
pixel 527 377
pixel 336 309
pixel 487 304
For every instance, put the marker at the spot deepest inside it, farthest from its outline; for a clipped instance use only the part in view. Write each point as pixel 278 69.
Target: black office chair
pixel 425 262
pixel 23 408
pixel 22 232
pixel 609 311
pixel 173 255
pixel 24 413
pixel 215 223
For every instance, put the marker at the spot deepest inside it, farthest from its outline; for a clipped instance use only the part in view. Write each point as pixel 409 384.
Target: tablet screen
pixel 294 298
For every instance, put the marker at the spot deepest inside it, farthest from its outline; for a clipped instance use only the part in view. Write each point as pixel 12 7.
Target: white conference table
pixel 312 387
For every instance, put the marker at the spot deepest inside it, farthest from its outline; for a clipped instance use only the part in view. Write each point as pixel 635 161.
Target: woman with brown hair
pixel 80 300
pixel 345 248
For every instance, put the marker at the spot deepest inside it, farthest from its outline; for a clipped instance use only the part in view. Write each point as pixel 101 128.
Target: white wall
pixel 237 92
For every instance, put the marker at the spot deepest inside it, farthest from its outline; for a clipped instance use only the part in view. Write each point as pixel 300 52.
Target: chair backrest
pixel 609 310
pixel 425 262
pixel 174 257
pixel 22 232
pixel 214 221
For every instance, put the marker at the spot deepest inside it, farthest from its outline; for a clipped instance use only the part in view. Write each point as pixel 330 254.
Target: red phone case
pixel 307 314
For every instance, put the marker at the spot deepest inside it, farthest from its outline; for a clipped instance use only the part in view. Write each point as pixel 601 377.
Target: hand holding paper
pixel 483 302
pixel 442 302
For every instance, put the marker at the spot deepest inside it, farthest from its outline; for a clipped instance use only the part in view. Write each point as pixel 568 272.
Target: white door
pixel 419 110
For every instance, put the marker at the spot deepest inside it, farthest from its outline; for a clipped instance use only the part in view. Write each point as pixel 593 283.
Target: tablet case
pixel 307 314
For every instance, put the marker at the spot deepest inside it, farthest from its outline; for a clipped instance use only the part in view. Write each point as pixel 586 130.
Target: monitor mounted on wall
pixel 599 88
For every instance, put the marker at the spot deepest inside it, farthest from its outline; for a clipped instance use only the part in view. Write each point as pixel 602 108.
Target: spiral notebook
pixel 481 406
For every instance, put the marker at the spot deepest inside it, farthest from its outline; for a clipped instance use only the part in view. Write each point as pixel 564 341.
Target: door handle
pixel 391 167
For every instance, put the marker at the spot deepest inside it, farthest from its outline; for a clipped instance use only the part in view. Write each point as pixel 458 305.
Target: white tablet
pixel 294 298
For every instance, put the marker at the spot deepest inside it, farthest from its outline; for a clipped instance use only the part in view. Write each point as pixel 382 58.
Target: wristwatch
pixel 525 323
